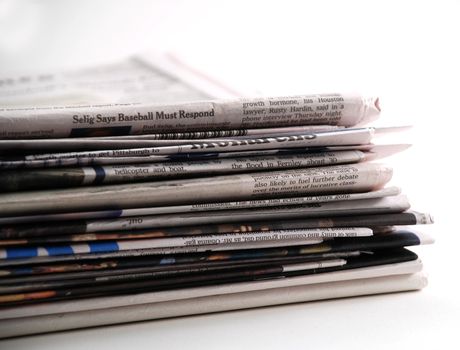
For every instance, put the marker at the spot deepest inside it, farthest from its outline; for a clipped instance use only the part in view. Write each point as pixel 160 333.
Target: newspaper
pixel 198 207
pixel 269 269
pixel 76 231
pixel 174 278
pixel 158 140
pixel 150 140
pixel 361 177
pixel 106 174
pixel 229 300
pixel 54 235
pixel 132 79
pixel 80 144
pixel 280 131
pixel 124 235
pixel 392 204
pixel 61 272
pixel 279 238
pixel 327 138
pixel 120 301
pixel 324 201
pixel 128 284
pixel 17 162
pixel 136 118
pixel 31 283
pixel 362 206
pixel 397 239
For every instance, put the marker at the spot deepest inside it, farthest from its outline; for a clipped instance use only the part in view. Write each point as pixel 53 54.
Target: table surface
pixel 403 51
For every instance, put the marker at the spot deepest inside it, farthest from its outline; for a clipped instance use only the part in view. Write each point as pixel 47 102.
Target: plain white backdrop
pixel 407 52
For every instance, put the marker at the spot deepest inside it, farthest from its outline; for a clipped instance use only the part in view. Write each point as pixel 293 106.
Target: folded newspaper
pixel 128 194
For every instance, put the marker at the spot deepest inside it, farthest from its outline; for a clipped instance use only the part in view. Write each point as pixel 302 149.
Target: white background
pixel 404 51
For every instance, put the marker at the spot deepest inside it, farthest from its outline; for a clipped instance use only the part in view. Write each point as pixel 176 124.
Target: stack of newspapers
pixel 126 212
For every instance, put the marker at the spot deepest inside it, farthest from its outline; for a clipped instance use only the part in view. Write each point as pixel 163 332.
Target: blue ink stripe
pixel 60 250
pixel 100 175
pixel 103 247
pixel 167 261
pixel 116 213
pixel 17 253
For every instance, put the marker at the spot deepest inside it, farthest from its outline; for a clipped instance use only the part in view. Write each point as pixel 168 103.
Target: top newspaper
pixel 140 118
